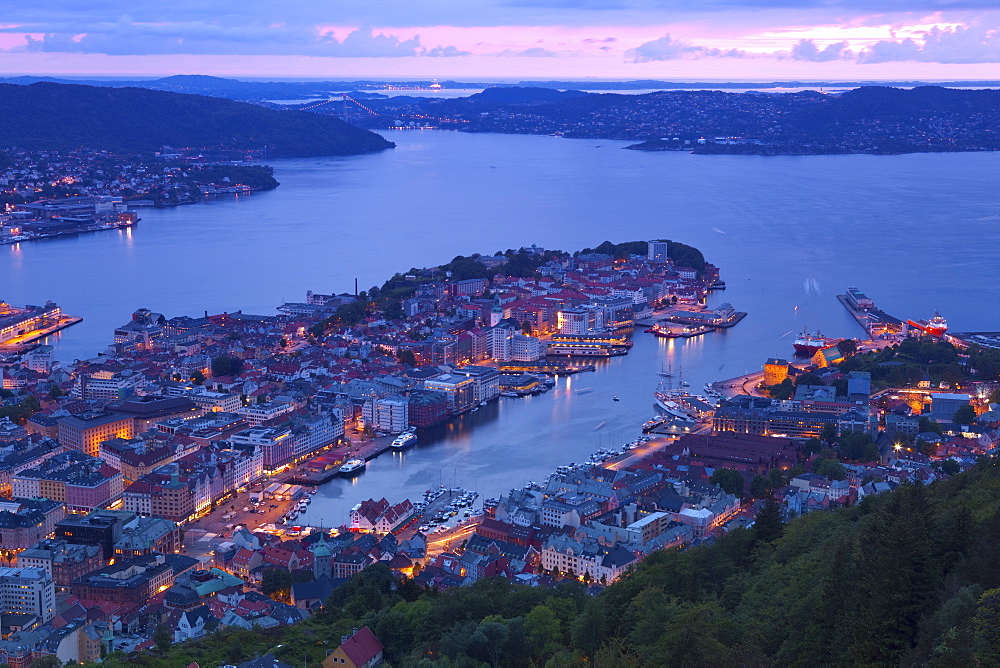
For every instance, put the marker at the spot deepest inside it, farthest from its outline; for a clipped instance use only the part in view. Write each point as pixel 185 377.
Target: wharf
pixel 366 450
pixel 874 321
pixel 29 341
pixel 745 384
pixel 547 368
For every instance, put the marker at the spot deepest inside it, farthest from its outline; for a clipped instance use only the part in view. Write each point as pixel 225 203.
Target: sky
pixel 756 40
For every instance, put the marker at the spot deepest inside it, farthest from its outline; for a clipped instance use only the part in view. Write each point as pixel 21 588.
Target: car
pixel 424 528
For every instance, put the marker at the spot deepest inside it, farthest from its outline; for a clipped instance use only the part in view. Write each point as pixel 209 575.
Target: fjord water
pixel 916 232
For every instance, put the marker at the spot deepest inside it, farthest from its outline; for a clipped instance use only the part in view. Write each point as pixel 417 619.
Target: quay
pixel 22 328
pixel 551 368
pixel 874 321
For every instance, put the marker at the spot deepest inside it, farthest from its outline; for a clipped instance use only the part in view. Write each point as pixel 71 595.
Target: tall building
pixel 657 250
pixel 27 591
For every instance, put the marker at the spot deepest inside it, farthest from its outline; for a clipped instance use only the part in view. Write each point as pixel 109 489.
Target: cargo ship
pixel 936 326
pixel 807 345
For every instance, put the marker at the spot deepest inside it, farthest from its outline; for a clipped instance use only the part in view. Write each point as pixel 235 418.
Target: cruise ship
pixel 404 440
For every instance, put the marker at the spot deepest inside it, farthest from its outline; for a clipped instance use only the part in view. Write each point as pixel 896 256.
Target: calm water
pixel 916 232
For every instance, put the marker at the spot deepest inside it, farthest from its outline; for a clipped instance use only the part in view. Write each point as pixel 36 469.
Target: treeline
pixel 911 578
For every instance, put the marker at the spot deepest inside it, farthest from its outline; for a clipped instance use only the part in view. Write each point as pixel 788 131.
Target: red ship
pixel 936 326
pixel 807 344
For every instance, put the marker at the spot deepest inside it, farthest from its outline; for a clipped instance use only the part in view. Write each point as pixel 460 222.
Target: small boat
pixel 615 399
pixel 404 440
pixel 482 404
pixel 352 467
pixel 312 491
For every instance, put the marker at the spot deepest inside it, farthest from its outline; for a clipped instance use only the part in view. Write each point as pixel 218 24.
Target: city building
pixel 82 483
pixel 85 431
pixel 27 591
pixel 658 251
pixel 486 381
pixel 459 391
pixel 24 522
pixel 61 560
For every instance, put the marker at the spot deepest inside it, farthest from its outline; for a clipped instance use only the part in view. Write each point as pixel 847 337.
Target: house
pixel 359 650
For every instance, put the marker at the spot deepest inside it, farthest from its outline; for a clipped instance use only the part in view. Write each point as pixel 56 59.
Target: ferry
pixel 352 467
pixel 404 440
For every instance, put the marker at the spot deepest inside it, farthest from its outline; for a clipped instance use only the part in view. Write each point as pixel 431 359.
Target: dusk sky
pixel 506 39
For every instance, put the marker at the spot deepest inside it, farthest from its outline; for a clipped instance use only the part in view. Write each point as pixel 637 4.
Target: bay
pixel 916 232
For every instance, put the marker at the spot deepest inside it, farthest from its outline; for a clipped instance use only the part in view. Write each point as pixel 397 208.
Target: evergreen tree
pixel 768 527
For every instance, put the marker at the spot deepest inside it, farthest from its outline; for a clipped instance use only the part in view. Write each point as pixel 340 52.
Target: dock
pixel 30 340
pixel 875 322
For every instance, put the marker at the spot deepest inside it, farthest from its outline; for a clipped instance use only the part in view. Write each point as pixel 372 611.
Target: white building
pixel 257 414
pixel 657 250
pixel 391 414
pixel 526 348
pixel 581 320
pixel 217 402
pixel 27 591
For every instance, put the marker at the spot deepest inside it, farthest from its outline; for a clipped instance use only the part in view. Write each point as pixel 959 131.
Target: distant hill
pixel 58 116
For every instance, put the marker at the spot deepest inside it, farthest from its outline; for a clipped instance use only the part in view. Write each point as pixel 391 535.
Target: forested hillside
pixel 64 116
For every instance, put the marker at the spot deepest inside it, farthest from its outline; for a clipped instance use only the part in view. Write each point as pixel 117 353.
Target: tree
pixel 491 635
pixel 276 582
pixel 965 415
pixel 809 378
pixel 226 365
pixel 759 487
pixel 951 467
pixel 829 432
pixel 526 328
pixel 929 425
pixel 987 628
pixel 406 356
pixel 162 637
pixel 812 446
pixel 768 527
pixel 783 390
pixel 198 378
pixel 829 468
pixel 49 661
pixel 729 480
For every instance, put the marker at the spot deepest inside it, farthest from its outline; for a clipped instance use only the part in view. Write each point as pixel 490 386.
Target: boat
pixel 807 345
pixel 615 399
pixel 584 390
pixel 936 326
pixel 654 423
pixel 352 467
pixel 509 393
pixel 482 404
